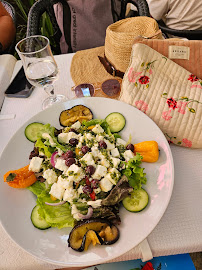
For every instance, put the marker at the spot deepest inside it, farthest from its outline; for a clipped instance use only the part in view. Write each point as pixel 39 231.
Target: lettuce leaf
pixel 100 122
pixel 134 173
pixel 56 216
pixel 43 148
pixel 51 131
pixel 37 188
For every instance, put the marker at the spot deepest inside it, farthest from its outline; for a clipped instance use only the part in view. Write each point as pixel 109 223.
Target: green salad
pixel 84 171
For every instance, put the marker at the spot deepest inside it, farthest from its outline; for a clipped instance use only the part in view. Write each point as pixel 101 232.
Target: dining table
pixel 178 231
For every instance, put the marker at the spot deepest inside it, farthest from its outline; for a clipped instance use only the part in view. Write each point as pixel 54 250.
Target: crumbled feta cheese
pixel 113 175
pixel 75 173
pixel 88 159
pixel 99 138
pixel 110 145
pixel 105 184
pixel 65 182
pixel 95 204
pixel 119 141
pixel 57 191
pixel 80 143
pixel 94 151
pixel 80 190
pixel 48 137
pixel 35 164
pixel 100 171
pixel 60 152
pixel 69 195
pixel 105 162
pixel 114 170
pixel 60 165
pixel 98 129
pixel 81 139
pixel 109 177
pixel 75 212
pixel 115 161
pixel 97 190
pixel 41 153
pixel 115 152
pixel 50 176
pixel 89 136
pixel 65 137
pixel 128 154
pixel 76 125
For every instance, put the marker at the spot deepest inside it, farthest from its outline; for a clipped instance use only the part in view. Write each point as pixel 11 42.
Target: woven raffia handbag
pixel 168 93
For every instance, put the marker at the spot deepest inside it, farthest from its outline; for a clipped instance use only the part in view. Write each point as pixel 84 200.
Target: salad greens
pixel 135 173
pixel 57 216
pixel 120 172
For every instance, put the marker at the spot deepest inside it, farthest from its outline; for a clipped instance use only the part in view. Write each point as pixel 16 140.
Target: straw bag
pixel 169 94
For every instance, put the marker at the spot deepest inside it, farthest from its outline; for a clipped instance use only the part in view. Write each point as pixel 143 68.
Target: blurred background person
pixel 7 29
pixel 177 14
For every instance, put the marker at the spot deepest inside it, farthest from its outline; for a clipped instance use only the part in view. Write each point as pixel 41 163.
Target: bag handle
pixel 67 25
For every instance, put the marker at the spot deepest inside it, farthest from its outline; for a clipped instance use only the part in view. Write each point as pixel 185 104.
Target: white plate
pixel 51 245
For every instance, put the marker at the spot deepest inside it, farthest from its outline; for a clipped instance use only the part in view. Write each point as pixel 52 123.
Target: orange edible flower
pixel 20 178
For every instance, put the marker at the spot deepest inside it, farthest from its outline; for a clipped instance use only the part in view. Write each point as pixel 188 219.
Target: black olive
pixel 73 141
pixel 90 169
pixel 70 161
pixel 130 147
pixel 102 144
pixel 85 149
pixel 68 154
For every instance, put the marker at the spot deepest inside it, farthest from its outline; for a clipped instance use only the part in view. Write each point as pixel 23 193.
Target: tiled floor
pixel 197 260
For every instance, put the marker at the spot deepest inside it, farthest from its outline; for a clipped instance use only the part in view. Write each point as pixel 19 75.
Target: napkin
pixel 7 63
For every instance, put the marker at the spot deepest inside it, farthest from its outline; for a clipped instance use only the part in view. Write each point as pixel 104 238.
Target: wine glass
pixel 40 66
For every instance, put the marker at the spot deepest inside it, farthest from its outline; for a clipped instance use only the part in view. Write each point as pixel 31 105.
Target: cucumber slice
pixel 116 121
pixel 32 130
pixel 137 201
pixel 37 221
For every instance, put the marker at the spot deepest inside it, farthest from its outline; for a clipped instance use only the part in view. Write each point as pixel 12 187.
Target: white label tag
pixel 178 52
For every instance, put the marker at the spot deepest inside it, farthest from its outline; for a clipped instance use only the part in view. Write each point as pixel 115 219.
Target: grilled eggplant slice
pixel 109 235
pixel 76 113
pixel 91 237
pixel 99 231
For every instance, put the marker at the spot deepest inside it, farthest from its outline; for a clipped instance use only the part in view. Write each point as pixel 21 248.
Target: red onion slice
pixel 53 158
pixel 55 204
pixel 88 215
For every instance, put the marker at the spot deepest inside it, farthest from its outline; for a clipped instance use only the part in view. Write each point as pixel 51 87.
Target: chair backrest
pixel 10 9
pixel 41 6
pixel 189 34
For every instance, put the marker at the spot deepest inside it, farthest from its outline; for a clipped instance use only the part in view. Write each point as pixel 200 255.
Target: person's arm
pixel 7 28
pixel 158 8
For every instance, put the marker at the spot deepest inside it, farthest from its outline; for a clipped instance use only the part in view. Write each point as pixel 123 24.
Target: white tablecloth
pixel 180 229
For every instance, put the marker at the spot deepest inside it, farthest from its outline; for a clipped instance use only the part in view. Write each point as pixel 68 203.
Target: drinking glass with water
pixel 40 66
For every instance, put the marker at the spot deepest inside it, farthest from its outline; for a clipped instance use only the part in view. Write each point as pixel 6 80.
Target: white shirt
pixel 178 14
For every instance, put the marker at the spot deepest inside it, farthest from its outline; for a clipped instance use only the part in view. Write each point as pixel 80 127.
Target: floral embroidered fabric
pixel 167 93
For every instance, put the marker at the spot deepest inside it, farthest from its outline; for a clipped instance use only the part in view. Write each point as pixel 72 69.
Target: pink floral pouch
pixel 169 94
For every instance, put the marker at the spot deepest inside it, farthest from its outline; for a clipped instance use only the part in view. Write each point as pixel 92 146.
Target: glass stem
pixel 50 91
